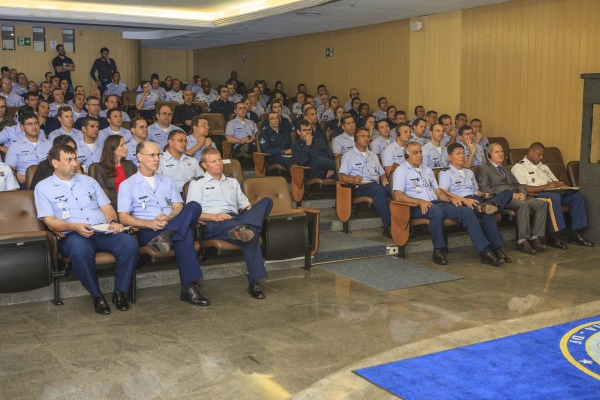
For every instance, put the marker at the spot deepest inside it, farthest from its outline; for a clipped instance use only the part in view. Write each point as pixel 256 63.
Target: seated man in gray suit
pixel 493 177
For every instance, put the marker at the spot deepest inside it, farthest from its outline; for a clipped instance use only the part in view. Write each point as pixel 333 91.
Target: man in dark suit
pixel 493 177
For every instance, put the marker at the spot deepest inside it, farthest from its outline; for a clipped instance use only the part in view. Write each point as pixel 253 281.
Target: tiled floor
pixel 302 341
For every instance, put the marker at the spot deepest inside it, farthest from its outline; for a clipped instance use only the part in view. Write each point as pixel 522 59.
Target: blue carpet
pixel 341 246
pixel 388 273
pixel 558 362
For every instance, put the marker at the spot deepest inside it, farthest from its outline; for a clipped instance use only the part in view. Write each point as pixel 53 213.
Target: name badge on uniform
pixel 168 201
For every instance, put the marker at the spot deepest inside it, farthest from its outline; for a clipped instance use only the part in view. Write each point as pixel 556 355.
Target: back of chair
pixel 126 125
pixel 233 169
pixel 201 104
pixel 573 172
pixel 216 122
pixel 18 212
pixel 516 155
pixel 553 155
pixel 128 98
pixel 29 173
pixel 274 187
pixel 11 112
pixel 559 170
pixel 502 142
pixel 171 104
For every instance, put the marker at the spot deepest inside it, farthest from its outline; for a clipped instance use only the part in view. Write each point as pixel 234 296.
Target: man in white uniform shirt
pixel 175 163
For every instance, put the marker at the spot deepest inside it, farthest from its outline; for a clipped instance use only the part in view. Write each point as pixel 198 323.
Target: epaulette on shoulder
pixel 521 162
pixel 197 178
pixel 445 168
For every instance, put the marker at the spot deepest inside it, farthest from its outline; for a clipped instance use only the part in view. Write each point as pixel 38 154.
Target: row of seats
pixel 29 258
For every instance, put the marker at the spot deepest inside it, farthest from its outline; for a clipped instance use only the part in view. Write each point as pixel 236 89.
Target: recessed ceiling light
pixel 309 13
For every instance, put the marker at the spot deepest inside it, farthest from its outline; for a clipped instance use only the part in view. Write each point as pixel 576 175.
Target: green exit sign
pixel 24 41
pixel 329 52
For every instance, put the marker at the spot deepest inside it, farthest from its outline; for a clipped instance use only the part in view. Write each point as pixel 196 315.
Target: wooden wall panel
pixel 435 64
pixel 176 63
pixel 372 58
pixel 87 48
pixel 521 66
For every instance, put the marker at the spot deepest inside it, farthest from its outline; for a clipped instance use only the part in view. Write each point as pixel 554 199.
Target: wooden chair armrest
pixel 227 149
pixel 297 175
pixel 400 226
pixel 343 201
pixel 259 163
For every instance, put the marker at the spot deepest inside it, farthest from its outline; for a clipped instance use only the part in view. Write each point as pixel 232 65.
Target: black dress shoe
pixel 255 290
pixel 536 244
pixel 499 253
pixel 554 241
pixel 386 232
pixel 488 257
pixel 194 297
pixel 119 299
pixel 580 240
pixel 161 243
pixel 101 306
pixel 439 257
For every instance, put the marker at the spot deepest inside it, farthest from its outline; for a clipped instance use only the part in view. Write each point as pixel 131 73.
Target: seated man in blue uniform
pixel 361 167
pixel 313 152
pixel 538 179
pixel 276 141
pixel 151 202
pixel 228 215
pixel 29 150
pixel 474 152
pixel 241 131
pixel 459 183
pixel 72 203
pixel 416 185
pixel 345 141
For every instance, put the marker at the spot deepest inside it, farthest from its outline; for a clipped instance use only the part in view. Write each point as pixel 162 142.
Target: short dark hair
pixel 302 122
pixel 463 129
pixel 54 153
pixel 62 109
pixel 175 132
pixel 460 115
pixel 112 111
pixel 442 117
pixel 453 147
pixel 63 140
pixel 85 121
pixel 26 115
pixel 102 50
pixel 135 120
pixel 417 120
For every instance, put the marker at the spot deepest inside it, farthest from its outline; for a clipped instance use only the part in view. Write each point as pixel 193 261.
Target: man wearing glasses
pixel 175 163
pixel 30 150
pixel 151 202
pixel 159 131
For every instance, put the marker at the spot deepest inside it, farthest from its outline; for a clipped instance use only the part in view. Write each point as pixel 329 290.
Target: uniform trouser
pixel 576 203
pixel 489 226
pixel 439 211
pixel 279 159
pixel 251 249
pixel 82 252
pixel 103 84
pixel 320 166
pixel 524 208
pixel 184 226
pixel 380 194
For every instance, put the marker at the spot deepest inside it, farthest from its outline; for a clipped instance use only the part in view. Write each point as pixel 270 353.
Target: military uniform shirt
pixel 240 129
pixel 417 183
pixel 79 203
pixel 106 132
pixel 456 183
pixel 7 178
pixel 22 153
pixel 181 171
pixel 75 134
pixel 217 195
pixel 392 154
pixel 366 166
pixel 157 135
pixel 379 143
pixel 144 202
pixel 343 143
pixel 434 158
pixel 527 173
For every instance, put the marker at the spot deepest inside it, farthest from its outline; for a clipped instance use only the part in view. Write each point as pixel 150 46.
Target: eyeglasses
pixel 166 114
pixel 151 155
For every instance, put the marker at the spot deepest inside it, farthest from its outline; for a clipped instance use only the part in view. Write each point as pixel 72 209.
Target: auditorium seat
pixel 573 172
pixel 287 232
pixel 26 248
